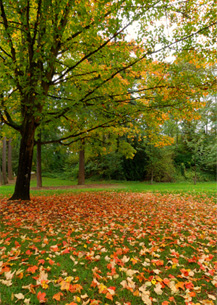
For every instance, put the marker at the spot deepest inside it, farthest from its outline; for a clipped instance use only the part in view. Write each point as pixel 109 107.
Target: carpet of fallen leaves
pixel 108 248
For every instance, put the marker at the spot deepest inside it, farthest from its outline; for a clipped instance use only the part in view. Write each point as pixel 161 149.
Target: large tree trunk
pixel 81 174
pixel 4 162
pixel 10 170
pixel 22 187
pixel 39 178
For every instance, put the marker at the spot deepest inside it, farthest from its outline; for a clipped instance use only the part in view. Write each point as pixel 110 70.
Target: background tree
pixel 10 166
pixel 81 172
pixel 1 181
pixel 4 161
pixel 38 162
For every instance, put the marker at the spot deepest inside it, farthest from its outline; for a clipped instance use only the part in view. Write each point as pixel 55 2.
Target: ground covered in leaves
pixel 108 248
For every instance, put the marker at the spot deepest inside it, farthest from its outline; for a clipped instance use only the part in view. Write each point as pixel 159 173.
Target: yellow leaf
pixel 44 284
pixel 102 288
pixel 69 279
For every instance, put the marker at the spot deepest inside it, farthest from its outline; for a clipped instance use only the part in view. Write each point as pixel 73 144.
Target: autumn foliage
pixel 109 248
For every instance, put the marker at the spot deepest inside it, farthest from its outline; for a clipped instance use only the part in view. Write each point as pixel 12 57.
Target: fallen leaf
pixel 19 296
pixel 57 296
pixel 41 297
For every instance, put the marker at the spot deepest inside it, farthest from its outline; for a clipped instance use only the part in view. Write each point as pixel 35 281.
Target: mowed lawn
pixel 63 186
pixel 109 248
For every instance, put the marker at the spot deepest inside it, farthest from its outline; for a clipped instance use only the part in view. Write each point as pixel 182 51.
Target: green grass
pixel 209 188
pixel 179 187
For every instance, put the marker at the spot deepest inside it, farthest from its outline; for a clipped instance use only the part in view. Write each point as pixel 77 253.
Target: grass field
pixel 132 245
pixel 209 188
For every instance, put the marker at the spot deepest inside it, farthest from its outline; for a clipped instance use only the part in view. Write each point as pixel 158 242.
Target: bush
pixel 105 167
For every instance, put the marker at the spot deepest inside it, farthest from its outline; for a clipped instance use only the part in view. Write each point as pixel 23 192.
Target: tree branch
pixel 103 125
pixel 6 53
pixel 99 48
pixel 37 21
pixel 8 121
pixel 143 57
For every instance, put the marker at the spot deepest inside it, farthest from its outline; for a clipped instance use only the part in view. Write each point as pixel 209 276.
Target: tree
pixel 10 169
pixel 0 176
pixel 57 57
pixel 38 163
pixel 1 180
pixel 81 173
pixel 4 161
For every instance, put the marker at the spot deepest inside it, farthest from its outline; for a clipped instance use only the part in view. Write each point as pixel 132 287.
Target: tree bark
pixel 152 175
pixel 0 176
pixel 4 162
pixel 10 170
pixel 22 187
pixel 81 174
pixel 195 174
pixel 39 177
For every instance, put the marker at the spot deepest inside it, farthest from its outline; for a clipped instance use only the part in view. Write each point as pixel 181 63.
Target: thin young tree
pixel 4 161
pixel 10 168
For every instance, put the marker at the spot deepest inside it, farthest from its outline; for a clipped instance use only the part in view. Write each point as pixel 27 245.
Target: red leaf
pixel 28 252
pixel 41 297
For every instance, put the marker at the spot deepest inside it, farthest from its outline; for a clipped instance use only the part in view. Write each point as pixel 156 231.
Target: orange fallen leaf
pixel 109 296
pixel 180 285
pixel 166 281
pixel 32 269
pixel 57 296
pixel 75 288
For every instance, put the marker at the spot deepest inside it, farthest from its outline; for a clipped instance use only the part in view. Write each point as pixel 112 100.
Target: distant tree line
pixel 192 156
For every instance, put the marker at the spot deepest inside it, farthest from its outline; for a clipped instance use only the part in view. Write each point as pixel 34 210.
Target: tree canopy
pixel 71 63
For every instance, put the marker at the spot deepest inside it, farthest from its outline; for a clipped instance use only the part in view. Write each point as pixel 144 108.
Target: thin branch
pixel 89 25
pixel 6 53
pixel 13 52
pixel 5 23
pixel 76 75
pixel 8 121
pixel 79 133
pixel 36 22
